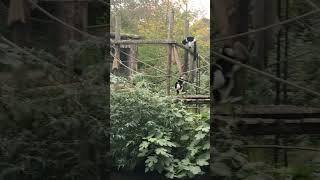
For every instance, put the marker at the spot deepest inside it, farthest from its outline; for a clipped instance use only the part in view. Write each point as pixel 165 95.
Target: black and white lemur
pixel 190 42
pixel 223 71
pixel 179 85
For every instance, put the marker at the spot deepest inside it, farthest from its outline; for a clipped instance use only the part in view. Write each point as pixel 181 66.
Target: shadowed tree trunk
pixel 19 21
pixel 264 14
pixel 74 13
pixel 232 18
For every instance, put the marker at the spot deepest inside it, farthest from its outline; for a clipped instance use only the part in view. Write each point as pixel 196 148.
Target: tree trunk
pixel 241 26
pixel 186 34
pixel 75 14
pixel 170 31
pixel 18 20
pixel 265 13
pixel 231 19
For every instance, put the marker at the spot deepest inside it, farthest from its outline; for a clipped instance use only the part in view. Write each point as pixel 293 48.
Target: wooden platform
pixel 195 99
pixel 270 120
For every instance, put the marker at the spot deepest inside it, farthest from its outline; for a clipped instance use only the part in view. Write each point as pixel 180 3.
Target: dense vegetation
pixel 152 131
pixel 235 161
pixel 52 127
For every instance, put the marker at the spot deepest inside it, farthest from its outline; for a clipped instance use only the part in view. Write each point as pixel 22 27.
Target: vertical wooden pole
pixel 285 65
pixel 20 25
pixel 278 66
pixel 116 64
pixel 240 76
pixel 198 82
pixel 170 30
pixel 259 21
pixel 186 33
pixel 276 151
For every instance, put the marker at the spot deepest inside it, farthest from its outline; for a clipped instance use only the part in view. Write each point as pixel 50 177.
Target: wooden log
pixel 154 42
pixel 186 33
pixel 195 97
pixel 196 101
pixel 273 112
pixel 261 126
pixel 177 60
pixel 170 34
pixel 116 63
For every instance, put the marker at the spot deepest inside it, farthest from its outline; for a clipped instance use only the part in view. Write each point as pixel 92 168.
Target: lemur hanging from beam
pixel 190 42
pixel 223 71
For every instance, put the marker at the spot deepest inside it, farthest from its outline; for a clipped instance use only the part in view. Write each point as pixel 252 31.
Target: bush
pixel 149 129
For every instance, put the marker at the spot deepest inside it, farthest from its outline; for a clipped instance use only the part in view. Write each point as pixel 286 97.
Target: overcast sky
pixel 202 5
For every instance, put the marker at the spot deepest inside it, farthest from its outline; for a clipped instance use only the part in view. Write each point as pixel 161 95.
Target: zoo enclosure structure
pixel 120 56
pixel 278 120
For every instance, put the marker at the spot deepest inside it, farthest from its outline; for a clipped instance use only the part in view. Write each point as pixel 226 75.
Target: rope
pixel 155 59
pixel 84 33
pixel 270 76
pixel 62 22
pixel 204 59
pixel 31 55
pixel 177 78
pixel 311 3
pixel 131 68
pixel 268 27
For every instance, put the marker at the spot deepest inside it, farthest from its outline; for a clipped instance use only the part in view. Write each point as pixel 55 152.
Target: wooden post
pixel 75 14
pixel 192 65
pixel 264 13
pixel 259 21
pixel 170 30
pixel 240 76
pixel 286 48
pixel 278 66
pixel 19 14
pixel 116 64
pixel 186 33
pixel 177 60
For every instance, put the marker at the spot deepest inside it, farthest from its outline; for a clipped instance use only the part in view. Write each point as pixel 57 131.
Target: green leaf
pixel 184 137
pixel 206 146
pixel 195 170
pixel 200 136
pixel 143 145
pixel 178 114
pixel 143 153
pixel 151 161
pixel 202 162
pixel 162 151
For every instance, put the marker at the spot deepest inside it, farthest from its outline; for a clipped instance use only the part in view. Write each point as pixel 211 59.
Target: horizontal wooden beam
pixel 155 42
pixel 261 126
pixel 273 112
pixel 195 97
pixel 195 101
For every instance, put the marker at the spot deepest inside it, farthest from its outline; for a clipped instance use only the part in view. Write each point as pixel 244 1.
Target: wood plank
pixel 196 101
pixel 195 97
pixel 274 112
pixel 261 126
pixel 155 42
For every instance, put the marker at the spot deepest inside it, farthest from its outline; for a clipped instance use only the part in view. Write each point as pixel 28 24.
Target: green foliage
pixel 153 130
pixel 50 130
